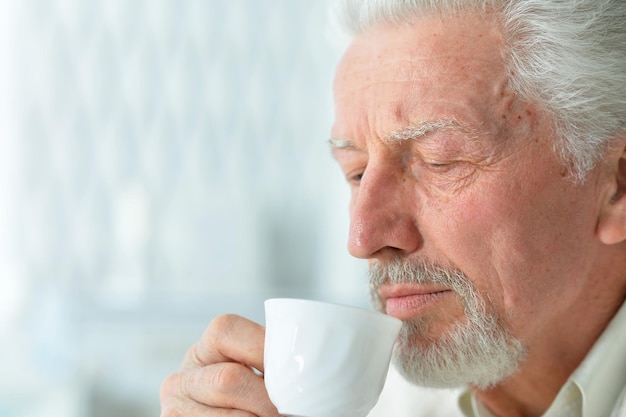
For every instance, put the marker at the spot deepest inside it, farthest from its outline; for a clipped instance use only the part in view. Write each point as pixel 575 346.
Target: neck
pixel 524 395
pixel 549 363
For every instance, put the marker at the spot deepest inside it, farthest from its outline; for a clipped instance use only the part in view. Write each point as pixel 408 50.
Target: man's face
pixel 449 169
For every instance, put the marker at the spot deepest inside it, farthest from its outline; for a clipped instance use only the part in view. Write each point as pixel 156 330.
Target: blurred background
pixel 161 162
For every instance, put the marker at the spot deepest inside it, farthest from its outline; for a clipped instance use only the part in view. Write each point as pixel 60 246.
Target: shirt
pixel 597 388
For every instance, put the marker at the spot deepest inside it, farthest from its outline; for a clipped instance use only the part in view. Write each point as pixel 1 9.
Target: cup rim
pixel 333 306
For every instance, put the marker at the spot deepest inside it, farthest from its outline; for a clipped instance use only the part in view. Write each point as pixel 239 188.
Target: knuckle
pixel 219 330
pixel 192 355
pixel 170 387
pixel 229 378
pixel 222 324
pixel 235 388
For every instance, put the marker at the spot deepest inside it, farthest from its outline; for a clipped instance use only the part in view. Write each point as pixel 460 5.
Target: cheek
pixel 522 249
pixel 494 239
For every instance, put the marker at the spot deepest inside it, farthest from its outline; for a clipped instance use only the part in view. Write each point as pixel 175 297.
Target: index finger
pixel 229 338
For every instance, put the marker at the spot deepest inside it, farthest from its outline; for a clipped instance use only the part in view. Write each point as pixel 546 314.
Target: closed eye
pixel 355 179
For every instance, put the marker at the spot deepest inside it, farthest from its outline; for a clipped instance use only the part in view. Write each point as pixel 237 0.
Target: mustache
pixel 404 271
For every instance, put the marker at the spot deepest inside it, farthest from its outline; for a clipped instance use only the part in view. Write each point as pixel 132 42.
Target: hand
pixel 217 377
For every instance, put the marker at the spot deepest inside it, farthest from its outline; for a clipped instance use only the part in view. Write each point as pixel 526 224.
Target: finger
pixel 229 338
pixel 175 403
pixel 229 385
pixel 198 410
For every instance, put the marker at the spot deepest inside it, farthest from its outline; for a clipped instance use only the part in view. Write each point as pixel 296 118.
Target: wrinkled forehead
pixel 467 41
pixel 434 65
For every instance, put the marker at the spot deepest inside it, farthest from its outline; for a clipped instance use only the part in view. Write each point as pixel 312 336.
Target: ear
pixel 612 223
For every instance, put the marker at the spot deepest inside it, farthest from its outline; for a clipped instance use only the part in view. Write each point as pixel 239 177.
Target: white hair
pixel 568 56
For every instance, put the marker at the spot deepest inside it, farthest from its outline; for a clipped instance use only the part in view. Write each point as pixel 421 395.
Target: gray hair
pixel 568 56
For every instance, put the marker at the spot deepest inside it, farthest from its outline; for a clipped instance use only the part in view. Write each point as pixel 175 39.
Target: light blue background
pixel 161 162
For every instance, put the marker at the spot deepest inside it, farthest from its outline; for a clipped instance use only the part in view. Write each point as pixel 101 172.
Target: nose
pixel 383 215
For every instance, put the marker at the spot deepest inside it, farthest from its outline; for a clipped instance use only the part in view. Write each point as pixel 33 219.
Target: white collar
pixel 601 377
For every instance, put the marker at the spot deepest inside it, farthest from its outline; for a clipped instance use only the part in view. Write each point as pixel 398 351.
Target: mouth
pixel 408 301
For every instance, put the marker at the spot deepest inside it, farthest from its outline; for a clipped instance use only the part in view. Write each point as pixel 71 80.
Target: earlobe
pixel 612 223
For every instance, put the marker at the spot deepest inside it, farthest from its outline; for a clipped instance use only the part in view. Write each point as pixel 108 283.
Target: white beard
pixel 479 351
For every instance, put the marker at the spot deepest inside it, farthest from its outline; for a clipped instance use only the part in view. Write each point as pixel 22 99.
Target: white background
pixel 161 162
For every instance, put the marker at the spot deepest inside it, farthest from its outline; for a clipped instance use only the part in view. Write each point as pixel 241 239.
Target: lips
pixel 405 302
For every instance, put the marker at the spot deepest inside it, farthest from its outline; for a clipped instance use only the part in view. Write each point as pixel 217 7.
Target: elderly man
pixel 485 146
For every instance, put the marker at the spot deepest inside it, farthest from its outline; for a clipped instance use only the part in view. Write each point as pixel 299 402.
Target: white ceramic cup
pixel 325 360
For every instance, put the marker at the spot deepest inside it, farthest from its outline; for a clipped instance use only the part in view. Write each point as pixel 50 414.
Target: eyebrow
pixel 410 132
pixel 419 130
pixel 341 143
